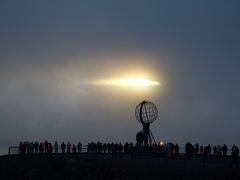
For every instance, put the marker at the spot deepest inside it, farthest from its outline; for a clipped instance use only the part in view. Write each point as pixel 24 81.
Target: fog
pixel 50 51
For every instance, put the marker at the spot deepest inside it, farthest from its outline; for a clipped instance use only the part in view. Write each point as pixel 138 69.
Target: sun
pixel 133 82
pixel 127 82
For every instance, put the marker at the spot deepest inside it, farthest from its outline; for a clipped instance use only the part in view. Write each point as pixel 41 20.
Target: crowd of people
pixel 169 149
pixel 47 147
pixel 206 150
pixel 109 147
pixel 196 149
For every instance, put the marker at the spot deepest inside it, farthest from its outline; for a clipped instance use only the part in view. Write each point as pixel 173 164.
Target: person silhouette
pixel 36 147
pixel 68 147
pixel 45 146
pixel 50 148
pixel 74 149
pixel 56 147
pixel 235 154
pixel 41 148
pixel 20 148
pixel 176 149
pixel 79 147
pixel 209 149
pixel 63 147
pixel 224 149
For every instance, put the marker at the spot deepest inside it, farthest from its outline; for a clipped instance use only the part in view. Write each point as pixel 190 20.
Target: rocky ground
pixel 116 167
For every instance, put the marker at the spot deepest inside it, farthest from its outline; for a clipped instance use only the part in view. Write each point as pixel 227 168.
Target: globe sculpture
pixel 146 113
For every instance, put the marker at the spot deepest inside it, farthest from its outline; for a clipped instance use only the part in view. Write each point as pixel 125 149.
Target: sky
pixel 52 52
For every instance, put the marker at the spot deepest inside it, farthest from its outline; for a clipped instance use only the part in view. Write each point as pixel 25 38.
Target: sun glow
pixel 127 82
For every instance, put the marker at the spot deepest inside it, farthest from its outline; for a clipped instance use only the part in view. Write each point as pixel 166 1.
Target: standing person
pixel 196 148
pixel 109 148
pixel 36 147
pixel 31 147
pixel 224 149
pixel 125 147
pixel 63 147
pixel 88 148
pixel 56 147
pixel 201 150
pixel 50 148
pixel 45 146
pixel 235 154
pixel 188 148
pixel 74 149
pixel 219 150
pixel 209 149
pixel 176 149
pixel 205 150
pixel 215 150
pixel 27 147
pixel 120 148
pixel 79 147
pixel 68 147
pixel 20 148
pixel 104 148
pixel 99 147
pixel 41 148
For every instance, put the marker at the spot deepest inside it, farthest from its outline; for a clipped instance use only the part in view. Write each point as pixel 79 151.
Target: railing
pixel 161 160
pixel 15 150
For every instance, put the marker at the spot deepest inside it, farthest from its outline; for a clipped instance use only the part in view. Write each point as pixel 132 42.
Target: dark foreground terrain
pixel 120 166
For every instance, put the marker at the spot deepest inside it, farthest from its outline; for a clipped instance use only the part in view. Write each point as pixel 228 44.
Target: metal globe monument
pixel 146 113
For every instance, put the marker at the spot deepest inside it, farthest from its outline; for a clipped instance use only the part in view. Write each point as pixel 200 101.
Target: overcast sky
pixel 51 50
